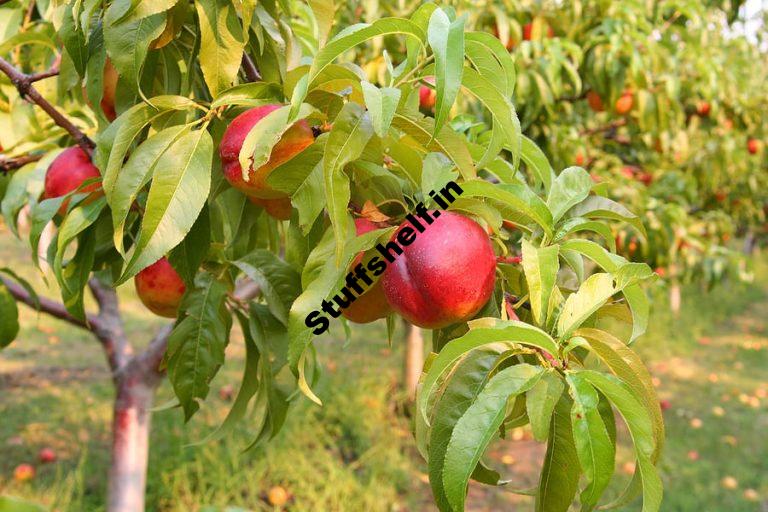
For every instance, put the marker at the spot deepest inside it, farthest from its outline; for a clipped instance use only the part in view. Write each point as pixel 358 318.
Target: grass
pixel 356 453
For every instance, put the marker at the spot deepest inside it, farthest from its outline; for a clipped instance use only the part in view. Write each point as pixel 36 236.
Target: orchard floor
pixel 356 453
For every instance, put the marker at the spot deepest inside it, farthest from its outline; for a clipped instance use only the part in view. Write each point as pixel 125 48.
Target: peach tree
pixel 235 161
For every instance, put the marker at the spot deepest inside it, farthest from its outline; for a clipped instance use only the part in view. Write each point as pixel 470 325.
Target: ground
pixel 356 452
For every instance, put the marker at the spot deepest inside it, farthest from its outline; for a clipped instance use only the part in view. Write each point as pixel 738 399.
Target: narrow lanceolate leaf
pixel 541 265
pixel 358 34
pixel 594 446
pixel 559 478
pixel 541 401
pixel 579 306
pixel 462 388
pixel 128 43
pixel 249 385
pixel 187 257
pixel 570 188
pixel 258 144
pixel 324 11
pixel 135 174
pixel 221 43
pixel 351 131
pixel 277 280
pixel 598 207
pixel 491 60
pixel 446 141
pixel 493 331
pixel 628 366
pixel 478 425
pixel 381 105
pixel 176 197
pixel 537 163
pixel 446 38
pixel 640 428
pixel 506 125
pixel 196 344
pixel 9 317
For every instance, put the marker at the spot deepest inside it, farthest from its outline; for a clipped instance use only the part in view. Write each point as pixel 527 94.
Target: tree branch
pixel 147 363
pixel 250 69
pixel 11 164
pixel 48 306
pixel 23 84
pixel 109 329
pixel 610 126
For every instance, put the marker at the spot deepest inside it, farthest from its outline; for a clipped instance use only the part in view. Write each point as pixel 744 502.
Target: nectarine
pixel 753 146
pixel 372 304
pixel 67 172
pixel 110 91
pixel 445 276
pixel 624 103
pixel 279 209
pixel 293 142
pixel 160 288
pixel 595 101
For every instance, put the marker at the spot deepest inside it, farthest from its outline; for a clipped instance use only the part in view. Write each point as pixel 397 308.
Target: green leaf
pixel 577 224
pixel 491 60
pixel 41 215
pixel 249 385
pixel 541 265
pixel 135 174
pixel 537 162
pixel 221 43
pixel 187 257
pixel 462 388
pixel 196 344
pixel 351 131
pixel 570 188
pixel 324 11
pixel 357 34
pixel 176 197
pixel 516 196
pixel 559 478
pixel 262 138
pixel 640 428
pixel 541 401
pixel 579 306
pixel 9 317
pixel 446 38
pixel 74 41
pixel 476 428
pixel 598 207
pixel 381 104
pixel 437 172
pixel 113 143
pixel 448 142
pixel 128 43
pixel 506 126
pixel 493 330
pixel 594 446
pixel 73 277
pixel 278 281
pixel 250 94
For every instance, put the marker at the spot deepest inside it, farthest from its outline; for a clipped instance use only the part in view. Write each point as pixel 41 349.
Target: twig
pixel 11 164
pixel 250 69
pixel 605 128
pixel 23 84
pixel 48 306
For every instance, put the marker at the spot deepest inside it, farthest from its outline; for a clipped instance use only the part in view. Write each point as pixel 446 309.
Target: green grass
pixel 356 452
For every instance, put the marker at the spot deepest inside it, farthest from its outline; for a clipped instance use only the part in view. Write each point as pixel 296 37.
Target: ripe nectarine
pixel 372 304
pixel 445 276
pixel 293 142
pixel 67 172
pixel 23 472
pixel 624 103
pixel 595 101
pixel 427 95
pixel 753 146
pixel 160 288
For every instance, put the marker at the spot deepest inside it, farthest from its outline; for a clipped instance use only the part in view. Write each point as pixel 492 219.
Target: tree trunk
pixel 414 360
pixel 130 445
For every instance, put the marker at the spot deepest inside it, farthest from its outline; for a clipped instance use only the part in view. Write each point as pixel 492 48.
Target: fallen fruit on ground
pixel 294 141
pixel 277 496
pixel 753 146
pixel 46 456
pixel 160 288
pixel 445 276
pixel 373 304
pixel 24 473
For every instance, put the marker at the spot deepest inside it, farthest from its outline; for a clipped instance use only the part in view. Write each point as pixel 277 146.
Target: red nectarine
pixel 293 141
pixel 624 103
pixel 67 172
pixel 371 305
pixel 445 276
pixel 160 288
pixel 595 101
